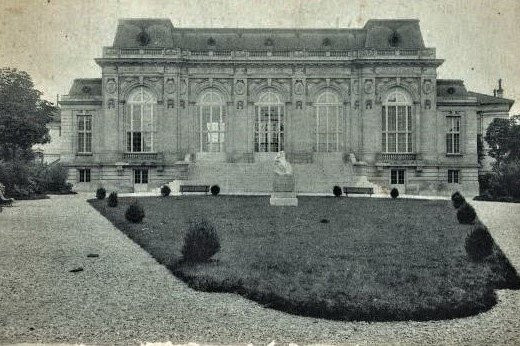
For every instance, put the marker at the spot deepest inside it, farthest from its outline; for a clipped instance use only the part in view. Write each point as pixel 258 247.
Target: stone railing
pixel 110 52
pixel 397 157
pixel 142 157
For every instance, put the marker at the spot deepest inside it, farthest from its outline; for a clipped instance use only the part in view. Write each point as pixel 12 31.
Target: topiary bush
pixel 479 243
pixel 134 213
pixel 466 214
pixel 394 193
pixel 101 193
pixel 165 190
pixel 457 200
pixel 201 242
pixel 215 190
pixel 112 200
pixel 336 190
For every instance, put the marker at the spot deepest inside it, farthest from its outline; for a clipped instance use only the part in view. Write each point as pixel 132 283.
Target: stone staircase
pixel 316 177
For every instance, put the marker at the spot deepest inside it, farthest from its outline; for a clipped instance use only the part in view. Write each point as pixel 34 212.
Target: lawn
pixel 339 258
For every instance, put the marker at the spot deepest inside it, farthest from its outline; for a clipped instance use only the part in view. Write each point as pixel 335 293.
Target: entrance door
pixel 140 180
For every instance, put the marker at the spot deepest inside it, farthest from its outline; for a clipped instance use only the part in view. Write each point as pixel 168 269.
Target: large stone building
pixel 349 107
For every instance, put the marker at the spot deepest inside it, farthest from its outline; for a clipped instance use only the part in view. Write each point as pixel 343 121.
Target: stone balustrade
pixel 397 157
pixel 110 52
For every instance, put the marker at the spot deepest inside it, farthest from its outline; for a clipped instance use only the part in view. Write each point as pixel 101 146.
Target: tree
pixel 498 138
pixel 23 115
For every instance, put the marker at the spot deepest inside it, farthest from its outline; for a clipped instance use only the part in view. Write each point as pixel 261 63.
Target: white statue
pixel 281 166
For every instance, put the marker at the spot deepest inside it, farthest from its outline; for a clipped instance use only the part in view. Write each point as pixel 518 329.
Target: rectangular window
pixel 327 127
pixel 84 175
pixel 397 176
pixel 84 127
pixel 212 128
pixel 453 135
pixel 453 176
pixel 140 176
pixel 269 129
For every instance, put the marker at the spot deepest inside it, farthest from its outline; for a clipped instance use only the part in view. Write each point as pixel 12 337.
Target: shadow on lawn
pixel 473 298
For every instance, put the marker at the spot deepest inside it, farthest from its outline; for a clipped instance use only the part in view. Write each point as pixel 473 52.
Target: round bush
pixel 394 193
pixel 134 213
pixel 336 190
pixel 457 200
pixel 201 242
pixel 479 243
pixel 215 190
pixel 101 193
pixel 112 200
pixel 165 190
pixel 466 214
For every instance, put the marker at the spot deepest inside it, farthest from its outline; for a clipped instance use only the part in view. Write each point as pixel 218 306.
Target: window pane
pixel 391 143
pixel 410 144
pixel 81 142
pixel 147 141
pixel 136 142
pixel 137 176
pixel 383 143
pixel 400 176
pixel 391 118
pixel 401 143
pixel 401 118
pixel 87 175
pixel 144 176
pixel 393 176
pixel 88 123
pixel 409 119
pixel 88 143
pixel 81 123
pixel 449 146
pixel 456 148
pixel 383 118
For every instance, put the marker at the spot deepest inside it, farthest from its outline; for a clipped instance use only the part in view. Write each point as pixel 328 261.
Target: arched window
pixel 139 121
pixel 269 124
pixel 212 122
pixel 328 126
pixel 396 123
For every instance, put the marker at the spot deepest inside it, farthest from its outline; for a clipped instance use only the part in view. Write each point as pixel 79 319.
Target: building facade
pixel 349 107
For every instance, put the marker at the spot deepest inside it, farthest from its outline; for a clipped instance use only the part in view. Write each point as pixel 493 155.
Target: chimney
pixel 500 91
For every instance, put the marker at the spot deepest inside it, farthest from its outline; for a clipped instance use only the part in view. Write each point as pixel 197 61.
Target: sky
pixel 56 41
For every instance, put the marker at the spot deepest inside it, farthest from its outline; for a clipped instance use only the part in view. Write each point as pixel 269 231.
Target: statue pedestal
pixel 283 191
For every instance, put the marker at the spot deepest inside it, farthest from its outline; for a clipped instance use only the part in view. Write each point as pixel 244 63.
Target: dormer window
pixel 269 42
pixel 211 41
pixel 326 42
pixel 394 40
pixel 143 38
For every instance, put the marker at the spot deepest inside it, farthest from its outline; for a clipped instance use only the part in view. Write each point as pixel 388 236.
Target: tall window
pixel 453 135
pixel 453 176
pixel 84 133
pixel 327 122
pixel 140 126
pixel 269 124
pixel 396 123
pixel 212 122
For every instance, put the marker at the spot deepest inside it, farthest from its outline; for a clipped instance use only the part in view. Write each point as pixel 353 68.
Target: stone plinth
pixel 283 191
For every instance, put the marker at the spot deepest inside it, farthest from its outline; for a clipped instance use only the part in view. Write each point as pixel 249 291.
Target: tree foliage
pixel 503 138
pixel 23 115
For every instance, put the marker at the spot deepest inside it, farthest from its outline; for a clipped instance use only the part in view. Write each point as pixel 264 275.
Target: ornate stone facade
pixel 360 110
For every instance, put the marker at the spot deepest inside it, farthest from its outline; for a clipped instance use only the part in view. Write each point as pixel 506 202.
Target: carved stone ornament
pixel 356 87
pixel 111 86
pixel 169 86
pixel 298 87
pixel 369 86
pixel 240 87
pixel 184 87
pixel 427 86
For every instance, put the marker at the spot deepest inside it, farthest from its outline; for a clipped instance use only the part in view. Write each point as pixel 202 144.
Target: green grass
pixel 375 260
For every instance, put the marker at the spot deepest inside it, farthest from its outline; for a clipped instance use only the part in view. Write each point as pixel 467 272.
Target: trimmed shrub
pixel 394 193
pixel 215 190
pixel 101 193
pixel 165 190
pixel 112 199
pixel 457 200
pixel 201 242
pixel 479 243
pixel 336 190
pixel 466 214
pixel 134 213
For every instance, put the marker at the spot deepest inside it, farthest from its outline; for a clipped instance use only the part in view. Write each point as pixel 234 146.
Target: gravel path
pixel 124 296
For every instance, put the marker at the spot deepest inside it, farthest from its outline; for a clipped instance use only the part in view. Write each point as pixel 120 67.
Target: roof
pixel 85 87
pixel 160 33
pixel 451 88
pixel 484 99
